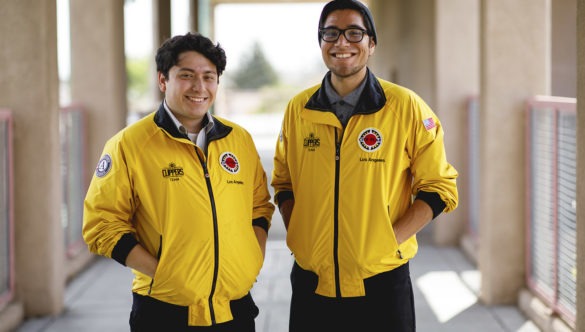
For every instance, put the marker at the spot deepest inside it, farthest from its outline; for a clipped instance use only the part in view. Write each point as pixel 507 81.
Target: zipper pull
pixel 205 171
pixel 400 254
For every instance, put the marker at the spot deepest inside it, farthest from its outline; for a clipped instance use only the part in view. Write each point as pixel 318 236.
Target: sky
pixel 287 32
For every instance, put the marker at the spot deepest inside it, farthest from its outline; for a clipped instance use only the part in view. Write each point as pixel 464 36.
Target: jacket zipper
pixel 215 237
pixel 336 215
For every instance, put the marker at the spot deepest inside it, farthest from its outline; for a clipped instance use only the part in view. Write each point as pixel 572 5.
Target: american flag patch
pixel 429 123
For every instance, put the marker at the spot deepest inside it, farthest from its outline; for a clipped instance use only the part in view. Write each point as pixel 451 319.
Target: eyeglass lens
pixel 352 35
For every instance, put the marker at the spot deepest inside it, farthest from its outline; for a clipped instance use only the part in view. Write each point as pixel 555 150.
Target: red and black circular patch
pixel 229 162
pixel 370 139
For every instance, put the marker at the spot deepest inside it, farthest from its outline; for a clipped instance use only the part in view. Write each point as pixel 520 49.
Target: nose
pixel 196 83
pixel 341 40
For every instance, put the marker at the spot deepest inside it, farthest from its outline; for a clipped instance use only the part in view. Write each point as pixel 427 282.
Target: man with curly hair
pixel 181 198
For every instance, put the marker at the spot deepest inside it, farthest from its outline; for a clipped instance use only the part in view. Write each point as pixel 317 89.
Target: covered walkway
pixel 478 63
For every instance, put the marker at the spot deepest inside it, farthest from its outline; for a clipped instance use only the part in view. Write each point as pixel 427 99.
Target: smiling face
pixel 344 59
pixel 190 88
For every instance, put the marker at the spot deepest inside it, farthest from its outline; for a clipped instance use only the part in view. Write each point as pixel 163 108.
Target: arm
pixel 285 209
pixel 432 173
pixel 416 218
pixel 281 177
pixel 261 236
pixel 109 206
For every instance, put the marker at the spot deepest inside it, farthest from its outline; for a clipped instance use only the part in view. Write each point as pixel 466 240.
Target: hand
pixel 142 261
pixel 416 218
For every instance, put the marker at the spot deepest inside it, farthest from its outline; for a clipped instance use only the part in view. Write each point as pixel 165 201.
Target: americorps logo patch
pixel 370 139
pixel 104 166
pixel 229 162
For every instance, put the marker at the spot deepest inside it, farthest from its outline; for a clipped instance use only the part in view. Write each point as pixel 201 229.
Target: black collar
pixel 371 100
pixel 164 121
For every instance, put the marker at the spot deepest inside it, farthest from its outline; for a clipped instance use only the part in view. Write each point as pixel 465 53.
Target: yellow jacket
pixel 150 186
pixel 351 184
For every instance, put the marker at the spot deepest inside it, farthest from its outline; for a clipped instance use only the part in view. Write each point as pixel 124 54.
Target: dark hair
pixel 168 53
pixel 349 4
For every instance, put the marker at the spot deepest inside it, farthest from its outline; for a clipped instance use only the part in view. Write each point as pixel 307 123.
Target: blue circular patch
pixel 104 166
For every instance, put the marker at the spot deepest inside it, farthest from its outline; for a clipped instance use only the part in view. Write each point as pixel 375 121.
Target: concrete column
pixel 515 55
pixel 98 69
pixel 580 325
pixel 161 22
pixel 29 86
pixel 193 15
pixel 417 48
pixel 384 63
pixel 564 48
pixel 457 78
pixel 405 50
pixel 161 25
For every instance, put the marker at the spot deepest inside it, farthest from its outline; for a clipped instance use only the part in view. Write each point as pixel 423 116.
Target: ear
pixel 162 82
pixel 372 46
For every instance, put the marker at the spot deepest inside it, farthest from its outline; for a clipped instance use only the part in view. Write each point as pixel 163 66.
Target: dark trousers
pixel 387 306
pixel 151 315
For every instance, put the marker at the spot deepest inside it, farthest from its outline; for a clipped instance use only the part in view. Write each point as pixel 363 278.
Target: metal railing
pixel 6 210
pixel 551 203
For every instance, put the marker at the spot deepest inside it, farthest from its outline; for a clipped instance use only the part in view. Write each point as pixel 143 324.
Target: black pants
pixel 387 306
pixel 151 315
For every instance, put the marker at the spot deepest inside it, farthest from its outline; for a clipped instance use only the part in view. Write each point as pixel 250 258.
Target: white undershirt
pixel 200 138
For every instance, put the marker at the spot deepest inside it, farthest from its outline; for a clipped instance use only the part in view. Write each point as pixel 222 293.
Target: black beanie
pixel 349 4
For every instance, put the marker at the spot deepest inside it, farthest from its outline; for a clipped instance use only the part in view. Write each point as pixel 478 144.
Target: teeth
pixel 342 55
pixel 196 99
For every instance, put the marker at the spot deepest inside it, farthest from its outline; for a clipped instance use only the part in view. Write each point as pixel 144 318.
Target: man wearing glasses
pixel 359 169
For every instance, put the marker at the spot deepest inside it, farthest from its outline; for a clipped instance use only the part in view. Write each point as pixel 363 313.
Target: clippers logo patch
pixel 173 172
pixel 311 142
pixel 370 140
pixel 104 166
pixel 229 162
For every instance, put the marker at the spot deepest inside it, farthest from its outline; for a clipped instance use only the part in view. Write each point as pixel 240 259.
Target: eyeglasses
pixel 352 35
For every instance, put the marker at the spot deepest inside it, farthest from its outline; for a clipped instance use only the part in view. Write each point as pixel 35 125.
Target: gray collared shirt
pixel 343 106
pixel 200 138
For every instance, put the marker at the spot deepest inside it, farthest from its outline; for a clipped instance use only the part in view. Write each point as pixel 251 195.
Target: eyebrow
pixel 207 72
pixel 348 27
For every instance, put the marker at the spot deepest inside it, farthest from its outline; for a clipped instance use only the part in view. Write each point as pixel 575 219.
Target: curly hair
pixel 168 53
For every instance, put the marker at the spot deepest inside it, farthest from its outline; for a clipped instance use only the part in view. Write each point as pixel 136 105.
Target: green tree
pixel 137 71
pixel 255 70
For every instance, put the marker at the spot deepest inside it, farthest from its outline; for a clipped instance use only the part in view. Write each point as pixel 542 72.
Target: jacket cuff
pixel 123 247
pixel 261 222
pixel 433 200
pixel 284 196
